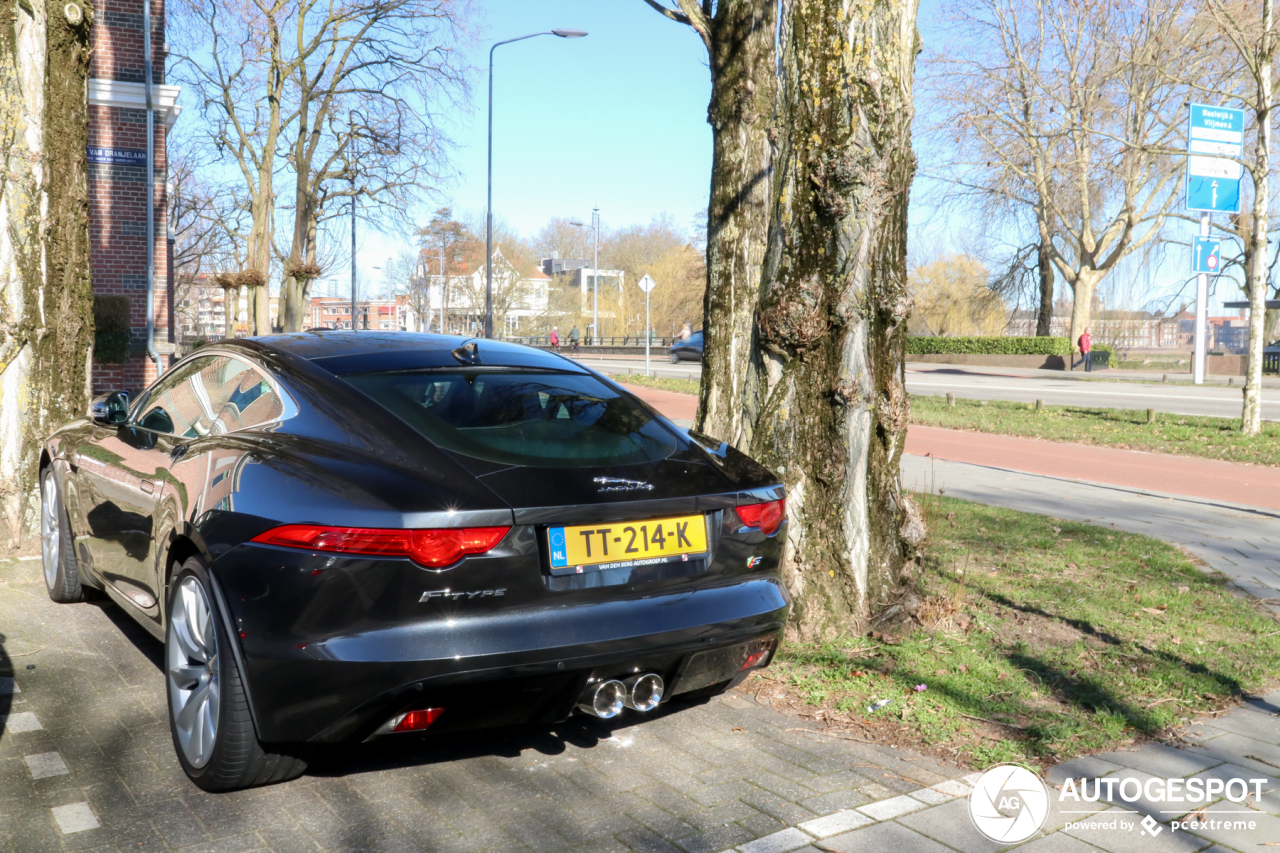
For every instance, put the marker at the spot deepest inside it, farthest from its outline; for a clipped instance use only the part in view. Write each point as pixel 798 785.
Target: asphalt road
pixel 1115 391
pixel 978 384
pixel 659 365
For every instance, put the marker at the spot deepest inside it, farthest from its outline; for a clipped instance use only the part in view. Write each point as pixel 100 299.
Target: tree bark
pixel 1251 415
pixel 827 370
pixel 744 86
pixel 1044 266
pixel 46 298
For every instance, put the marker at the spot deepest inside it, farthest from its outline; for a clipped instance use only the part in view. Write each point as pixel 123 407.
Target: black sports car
pixel 343 535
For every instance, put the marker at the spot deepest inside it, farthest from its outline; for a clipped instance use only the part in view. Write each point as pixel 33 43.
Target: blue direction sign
pixel 1206 255
pixel 1215 135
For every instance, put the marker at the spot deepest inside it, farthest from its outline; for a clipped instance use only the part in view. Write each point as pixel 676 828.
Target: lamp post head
pixel 569 34
pixel 575 223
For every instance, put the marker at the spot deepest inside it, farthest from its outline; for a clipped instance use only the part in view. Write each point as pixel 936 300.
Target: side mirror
pixel 110 409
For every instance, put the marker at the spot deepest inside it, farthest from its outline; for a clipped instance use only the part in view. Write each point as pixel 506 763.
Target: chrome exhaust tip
pixel 606 700
pixel 644 692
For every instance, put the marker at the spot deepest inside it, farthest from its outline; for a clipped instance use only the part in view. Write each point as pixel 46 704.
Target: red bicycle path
pixel 1231 482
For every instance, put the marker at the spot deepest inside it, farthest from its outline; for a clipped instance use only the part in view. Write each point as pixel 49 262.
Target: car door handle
pixel 148 486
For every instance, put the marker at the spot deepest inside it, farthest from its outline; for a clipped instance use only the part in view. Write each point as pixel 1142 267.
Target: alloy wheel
pixel 50 530
pixel 192 664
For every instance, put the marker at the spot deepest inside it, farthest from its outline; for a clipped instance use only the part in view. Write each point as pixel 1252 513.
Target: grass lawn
pixel 680 386
pixel 1039 640
pixel 1187 435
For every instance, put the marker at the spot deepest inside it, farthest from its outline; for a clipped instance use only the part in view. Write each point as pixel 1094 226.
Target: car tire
pixel 57 546
pixel 209 719
pixel 675 359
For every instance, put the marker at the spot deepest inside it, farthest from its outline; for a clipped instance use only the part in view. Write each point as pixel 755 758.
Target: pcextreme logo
pixel 1008 803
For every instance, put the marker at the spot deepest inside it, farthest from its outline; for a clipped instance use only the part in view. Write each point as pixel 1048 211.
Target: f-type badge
pixel 450 595
pixel 615 484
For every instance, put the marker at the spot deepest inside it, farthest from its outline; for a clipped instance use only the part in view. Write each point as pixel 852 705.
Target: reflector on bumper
pixel 716 665
pixel 410 721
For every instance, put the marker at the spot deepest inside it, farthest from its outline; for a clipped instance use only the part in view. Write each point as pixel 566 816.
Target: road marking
pixel 46 764
pixel 24 722
pixel 1204 399
pixel 75 817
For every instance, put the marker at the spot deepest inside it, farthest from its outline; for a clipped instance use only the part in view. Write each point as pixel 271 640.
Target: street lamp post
pixel 595 273
pixel 488 213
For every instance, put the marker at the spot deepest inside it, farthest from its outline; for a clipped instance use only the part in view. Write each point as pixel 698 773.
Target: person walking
pixel 685 331
pixel 1086 345
pixel 573 338
pixel 555 339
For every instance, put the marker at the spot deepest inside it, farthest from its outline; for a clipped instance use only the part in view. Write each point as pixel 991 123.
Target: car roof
pixel 343 352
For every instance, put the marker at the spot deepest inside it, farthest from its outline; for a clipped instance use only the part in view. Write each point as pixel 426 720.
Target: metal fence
pixel 619 341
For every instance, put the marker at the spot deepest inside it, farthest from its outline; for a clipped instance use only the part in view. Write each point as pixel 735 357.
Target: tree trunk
pixel 1082 290
pixel 1251 416
pixel 743 86
pixel 828 367
pixel 1044 316
pixel 46 296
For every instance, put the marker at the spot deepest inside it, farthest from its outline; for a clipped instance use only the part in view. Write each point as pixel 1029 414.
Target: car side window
pixel 250 399
pixel 175 404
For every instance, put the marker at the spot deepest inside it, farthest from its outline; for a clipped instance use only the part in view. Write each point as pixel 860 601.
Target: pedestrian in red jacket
pixel 1086 344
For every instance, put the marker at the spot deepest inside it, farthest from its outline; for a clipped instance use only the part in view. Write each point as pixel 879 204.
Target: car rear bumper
pixel 325 679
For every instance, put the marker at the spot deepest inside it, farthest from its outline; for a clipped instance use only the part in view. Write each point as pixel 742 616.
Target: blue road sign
pixel 1216 195
pixel 1206 255
pixel 1215 135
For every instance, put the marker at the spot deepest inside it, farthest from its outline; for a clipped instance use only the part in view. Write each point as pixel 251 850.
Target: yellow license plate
pixel 617 544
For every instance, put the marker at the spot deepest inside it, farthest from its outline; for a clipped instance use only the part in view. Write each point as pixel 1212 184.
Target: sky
pixel 616 120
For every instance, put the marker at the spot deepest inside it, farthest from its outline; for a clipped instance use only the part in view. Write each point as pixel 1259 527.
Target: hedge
pixel 987 346
pixel 112 340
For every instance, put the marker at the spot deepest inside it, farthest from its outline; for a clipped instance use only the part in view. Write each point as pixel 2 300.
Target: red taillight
pixel 416 721
pixel 434 548
pixel 766 516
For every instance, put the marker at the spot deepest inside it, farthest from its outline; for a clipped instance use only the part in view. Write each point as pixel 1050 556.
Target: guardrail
pixel 602 341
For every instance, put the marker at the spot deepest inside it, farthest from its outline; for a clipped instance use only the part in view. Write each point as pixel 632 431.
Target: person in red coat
pixel 1086 344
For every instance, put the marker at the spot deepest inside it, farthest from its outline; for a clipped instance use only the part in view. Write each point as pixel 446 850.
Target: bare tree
pixel 739 36
pixel 1249 30
pixel 1065 110
pixel 810 356
pixel 367 83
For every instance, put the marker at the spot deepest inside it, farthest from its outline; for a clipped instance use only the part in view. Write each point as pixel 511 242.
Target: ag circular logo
pixel 1008 803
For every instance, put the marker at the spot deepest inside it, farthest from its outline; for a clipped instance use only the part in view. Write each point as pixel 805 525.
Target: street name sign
pixel 1206 255
pixel 1214 134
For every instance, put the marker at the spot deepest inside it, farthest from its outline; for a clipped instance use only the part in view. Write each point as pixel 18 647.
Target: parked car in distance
pixel 690 349
pixel 340 535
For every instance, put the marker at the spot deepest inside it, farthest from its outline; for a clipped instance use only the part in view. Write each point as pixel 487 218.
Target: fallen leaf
pixel 1183 590
pixel 1153 611
pixel 963 668
pixel 1177 641
pixel 737 730
pixel 1072 566
pixel 939 672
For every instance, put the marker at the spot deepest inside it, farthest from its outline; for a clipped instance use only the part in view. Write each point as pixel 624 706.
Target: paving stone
pixel 23 721
pixel 46 764
pixel 889 809
pixel 1238 749
pixel 1258 832
pixel 834 824
pixel 714 840
pixel 931 796
pixel 1086 767
pixel 780 842
pixel 1107 831
pixel 642 840
pixel 1270 800
pixel 75 817
pixel 951 825
pixel 1057 843
pixel 1251 723
pixel 1160 760
pixel 883 837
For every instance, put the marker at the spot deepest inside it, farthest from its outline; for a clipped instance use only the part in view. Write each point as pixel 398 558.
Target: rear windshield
pixel 528 418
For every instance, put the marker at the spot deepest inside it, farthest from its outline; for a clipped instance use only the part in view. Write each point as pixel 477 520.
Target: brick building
pixel 117 171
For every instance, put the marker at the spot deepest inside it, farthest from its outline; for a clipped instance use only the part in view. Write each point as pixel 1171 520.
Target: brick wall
pixel 117 191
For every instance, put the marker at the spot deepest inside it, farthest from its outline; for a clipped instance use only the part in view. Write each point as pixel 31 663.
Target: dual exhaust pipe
pixel 607 699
